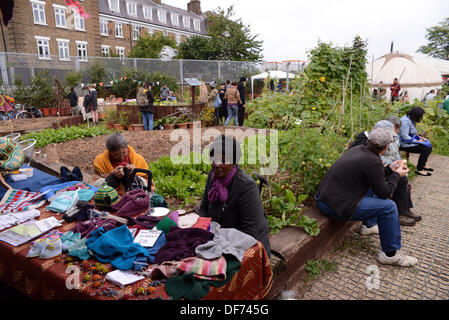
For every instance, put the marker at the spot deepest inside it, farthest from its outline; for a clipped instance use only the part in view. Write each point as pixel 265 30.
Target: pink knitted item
pixel 129 195
pixel 138 203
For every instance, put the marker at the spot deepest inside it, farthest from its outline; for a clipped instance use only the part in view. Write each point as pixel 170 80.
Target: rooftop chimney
pixel 194 6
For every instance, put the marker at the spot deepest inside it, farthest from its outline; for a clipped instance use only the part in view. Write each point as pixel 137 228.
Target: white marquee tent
pixel 273 74
pixel 416 76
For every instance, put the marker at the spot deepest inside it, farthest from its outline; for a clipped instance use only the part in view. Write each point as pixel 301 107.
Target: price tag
pixel 147 238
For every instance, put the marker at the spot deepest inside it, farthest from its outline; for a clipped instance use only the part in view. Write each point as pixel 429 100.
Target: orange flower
pixel 322 79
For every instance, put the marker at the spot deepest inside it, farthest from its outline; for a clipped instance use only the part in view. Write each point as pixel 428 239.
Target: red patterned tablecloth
pixel 47 279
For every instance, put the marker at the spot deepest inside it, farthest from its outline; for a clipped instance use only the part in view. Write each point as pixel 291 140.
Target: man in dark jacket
pixel 358 187
pixel 231 197
pixel 242 106
pixel 73 99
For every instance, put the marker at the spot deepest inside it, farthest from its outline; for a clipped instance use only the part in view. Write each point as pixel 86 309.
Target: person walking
pixel 145 100
pixel 91 105
pixel 223 112
pixel 233 97
pixel 73 99
pixel 394 90
pixel 212 101
pixel 242 106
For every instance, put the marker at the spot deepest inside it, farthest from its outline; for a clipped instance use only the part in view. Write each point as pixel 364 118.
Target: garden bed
pixel 26 125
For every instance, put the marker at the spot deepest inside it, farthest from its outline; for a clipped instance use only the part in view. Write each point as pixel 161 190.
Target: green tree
pixel 228 40
pixel 437 41
pixel 42 92
pixel 149 46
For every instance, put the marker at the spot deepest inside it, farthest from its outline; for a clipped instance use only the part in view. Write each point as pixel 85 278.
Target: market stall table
pixel 56 278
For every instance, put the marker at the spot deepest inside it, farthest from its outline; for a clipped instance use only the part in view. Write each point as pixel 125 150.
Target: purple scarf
pixel 218 189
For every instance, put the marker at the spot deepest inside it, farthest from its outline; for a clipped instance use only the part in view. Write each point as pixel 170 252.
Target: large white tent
pixel 415 76
pixel 273 74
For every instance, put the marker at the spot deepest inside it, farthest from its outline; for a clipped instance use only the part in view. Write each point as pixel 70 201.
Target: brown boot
pixel 415 217
pixel 406 221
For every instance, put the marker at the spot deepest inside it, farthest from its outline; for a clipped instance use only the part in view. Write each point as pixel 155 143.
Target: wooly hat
pixel 105 197
pixel 380 137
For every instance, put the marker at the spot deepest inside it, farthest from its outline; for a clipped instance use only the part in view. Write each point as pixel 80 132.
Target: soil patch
pixel 26 125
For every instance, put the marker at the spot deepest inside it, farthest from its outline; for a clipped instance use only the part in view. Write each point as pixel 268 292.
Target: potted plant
pixel 138 126
pixel 45 111
pixel 122 121
pixel 110 117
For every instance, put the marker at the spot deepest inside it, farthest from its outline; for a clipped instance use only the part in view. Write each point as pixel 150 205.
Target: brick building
pixel 51 28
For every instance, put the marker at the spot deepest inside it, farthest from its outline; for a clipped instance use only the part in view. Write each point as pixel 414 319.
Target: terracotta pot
pixel 53 111
pixel 46 112
pixel 185 125
pixel 101 116
pixel 110 126
pixel 130 127
pixel 138 127
pixel 118 126
pixel 169 126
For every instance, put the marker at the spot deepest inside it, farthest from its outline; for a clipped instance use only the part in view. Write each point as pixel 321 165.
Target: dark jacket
pixel 360 139
pixel 242 211
pixel 73 98
pixel 348 180
pixel 149 107
pixel 241 89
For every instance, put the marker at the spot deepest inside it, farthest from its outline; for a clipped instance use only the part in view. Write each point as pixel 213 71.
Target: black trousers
pixel 223 111
pixel 423 151
pixel 241 115
pixel 401 196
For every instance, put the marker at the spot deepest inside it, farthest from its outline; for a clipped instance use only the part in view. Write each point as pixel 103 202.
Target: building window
pixel 39 13
pixel 162 16
pixel 136 33
pixel 197 25
pixel 186 22
pixel 79 22
pixel 178 38
pixel 106 51
pixel 118 30
pixel 165 33
pixel 103 27
pixel 114 5
pixel 147 13
pixel 43 47
pixel 120 51
pixel 82 50
pixel 60 18
pixel 132 8
pixel 63 49
pixel 150 31
pixel 174 19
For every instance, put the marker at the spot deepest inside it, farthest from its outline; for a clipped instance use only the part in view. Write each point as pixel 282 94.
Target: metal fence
pixel 25 66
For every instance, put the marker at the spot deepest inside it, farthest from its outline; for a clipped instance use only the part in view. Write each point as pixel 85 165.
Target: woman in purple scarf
pixel 231 197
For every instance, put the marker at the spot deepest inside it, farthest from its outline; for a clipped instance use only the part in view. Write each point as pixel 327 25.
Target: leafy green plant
pixel 42 92
pixel 317 267
pixel 72 78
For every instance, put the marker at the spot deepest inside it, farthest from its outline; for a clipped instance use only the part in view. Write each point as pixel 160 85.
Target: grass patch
pixel 357 244
pixel 316 267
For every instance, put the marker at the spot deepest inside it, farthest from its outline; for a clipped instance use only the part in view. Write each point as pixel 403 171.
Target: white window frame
pixel 197 25
pixel 133 6
pixel 43 42
pixel 136 32
pixel 80 24
pixel 117 25
pixel 104 27
pixel 174 19
pixel 115 8
pixel 63 44
pixel 60 13
pixel 178 39
pixel 82 58
pixel 162 16
pixel 105 52
pixel 186 22
pixel 120 51
pixel 165 33
pixel 147 13
pixel 40 7
pixel 150 31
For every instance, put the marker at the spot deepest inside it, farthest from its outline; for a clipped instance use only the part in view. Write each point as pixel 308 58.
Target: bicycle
pixel 27 112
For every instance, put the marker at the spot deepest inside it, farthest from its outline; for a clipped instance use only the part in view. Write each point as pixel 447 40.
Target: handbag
pixel 217 102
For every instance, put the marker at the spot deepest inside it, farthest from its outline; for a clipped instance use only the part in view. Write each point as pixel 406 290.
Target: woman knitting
pixel 231 197
pixel 117 161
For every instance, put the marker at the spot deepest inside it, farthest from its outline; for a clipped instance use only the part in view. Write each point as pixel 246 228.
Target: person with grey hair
pixel 116 159
pixel 231 197
pixel 358 187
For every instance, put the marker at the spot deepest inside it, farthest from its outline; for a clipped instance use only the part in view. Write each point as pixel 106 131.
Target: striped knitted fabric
pixel 67 186
pixel 20 200
pixel 105 197
pixel 205 269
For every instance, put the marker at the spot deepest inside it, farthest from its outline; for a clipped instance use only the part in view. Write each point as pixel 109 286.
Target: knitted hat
pixel 105 197
pixel 380 137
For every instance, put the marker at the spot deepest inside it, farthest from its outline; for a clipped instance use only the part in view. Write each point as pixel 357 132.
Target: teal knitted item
pixel 63 202
pixel 80 250
pixel 165 225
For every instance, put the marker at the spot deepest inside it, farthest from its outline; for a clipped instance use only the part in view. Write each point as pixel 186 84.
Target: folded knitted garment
pixel 86 227
pixel 69 239
pixel 67 186
pixel 15 218
pixel 160 242
pixel 46 247
pixel 188 220
pixel 80 250
pixel 203 223
pixel 116 247
pixel 182 243
pixel 63 202
pixel 165 224
pixel 137 203
pixel 226 241
pixel 123 200
pixel 145 221
pixel 157 201
pixel 168 269
pixel 205 269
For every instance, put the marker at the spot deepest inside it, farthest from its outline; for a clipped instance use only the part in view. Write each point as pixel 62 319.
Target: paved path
pixel 428 241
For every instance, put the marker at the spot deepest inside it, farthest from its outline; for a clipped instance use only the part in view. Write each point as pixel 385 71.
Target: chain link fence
pixel 25 66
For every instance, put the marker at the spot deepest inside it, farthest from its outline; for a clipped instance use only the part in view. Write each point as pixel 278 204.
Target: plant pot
pixel 45 112
pixel 53 111
pixel 110 126
pixel 118 126
pixel 101 116
pixel 169 126
pixel 130 127
pixel 185 125
pixel 138 127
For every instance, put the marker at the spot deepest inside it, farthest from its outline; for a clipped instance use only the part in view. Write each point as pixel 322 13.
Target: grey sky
pixel 291 27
